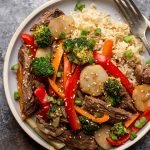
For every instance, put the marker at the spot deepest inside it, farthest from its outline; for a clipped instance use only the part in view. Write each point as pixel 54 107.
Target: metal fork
pixel 135 19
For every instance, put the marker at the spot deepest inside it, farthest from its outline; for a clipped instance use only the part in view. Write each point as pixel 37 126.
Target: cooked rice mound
pixel 91 18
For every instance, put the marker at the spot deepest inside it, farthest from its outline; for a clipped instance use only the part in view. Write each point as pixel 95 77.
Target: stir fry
pixel 81 88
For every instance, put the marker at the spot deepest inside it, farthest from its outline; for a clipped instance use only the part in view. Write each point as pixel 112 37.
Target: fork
pixel 135 19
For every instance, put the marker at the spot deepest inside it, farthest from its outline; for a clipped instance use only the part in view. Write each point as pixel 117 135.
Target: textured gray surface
pixel 12 13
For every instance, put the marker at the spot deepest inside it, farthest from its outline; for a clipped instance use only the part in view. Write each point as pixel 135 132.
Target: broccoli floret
pixel 113 100
pixel 42 67
pixel 118 129
pixel 112 89
pixel 88 126
pixel 68 45
pixel 112 86
pixel 91 43
pixel 81 57
pixel 80 50
pixel 42 36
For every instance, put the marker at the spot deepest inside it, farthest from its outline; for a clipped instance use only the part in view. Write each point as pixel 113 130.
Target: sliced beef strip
pixel 46 17
pixel 126 102
pixel 143 74
pixel 80 95
pixel 116 114
pixel 79 141
pixel 29 84
pixel 48 129
pixel 76 141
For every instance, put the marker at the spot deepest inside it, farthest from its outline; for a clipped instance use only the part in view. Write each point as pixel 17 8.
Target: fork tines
pixel 129 10
pixel 135 19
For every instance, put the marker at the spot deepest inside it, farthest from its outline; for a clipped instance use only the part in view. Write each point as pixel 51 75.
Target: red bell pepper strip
pixel 42 96
pixel 146 113
pixel 120 141
pixel 43 113
pixel 70 91
pixel 29 40
pixel 132 128
pixel 106 63
pixel 67 69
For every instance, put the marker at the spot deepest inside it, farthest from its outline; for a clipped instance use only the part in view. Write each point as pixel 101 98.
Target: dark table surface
pixel 12 13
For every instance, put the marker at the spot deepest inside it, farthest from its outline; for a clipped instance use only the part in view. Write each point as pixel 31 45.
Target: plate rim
pixel 7 91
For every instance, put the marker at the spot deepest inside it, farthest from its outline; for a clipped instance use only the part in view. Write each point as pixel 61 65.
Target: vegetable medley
pixel 75 88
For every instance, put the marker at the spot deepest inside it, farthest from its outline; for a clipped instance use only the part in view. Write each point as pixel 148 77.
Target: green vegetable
pixel 79 6
pixel 88 126
pixel 78 102
pixel 69 45
pixel 98 31
pixel 80 50
pixel 62 35
pixel 112 100
pixel 59 74
pixel 42 67
pixel 55 122
pixel 113 136
pixel 99 148
pixel 16 95
pixel 60 102
pixel 15 67
pixel 128 54
pixel 72 57
pixel 118 129
pixel 112 86
pixel 55 111
pixel 42 36
pixel 76 43
pixel 91 60
pixel 84 32
pixel 140 122
pixel 132 136
pixel 128 38
pixel 91 43
pixel 148 62
pixel 52 100
pixel 112 89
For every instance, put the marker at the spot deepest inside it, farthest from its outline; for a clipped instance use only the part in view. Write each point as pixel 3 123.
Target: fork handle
pixel 146 44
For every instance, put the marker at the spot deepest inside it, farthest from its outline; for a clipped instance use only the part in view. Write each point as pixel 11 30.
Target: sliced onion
pixel 101 135
pixel 61 24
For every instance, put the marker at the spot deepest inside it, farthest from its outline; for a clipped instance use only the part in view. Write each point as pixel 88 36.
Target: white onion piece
pixel 43 52
pixel 141 97
pixel 101 135
pixel 61 24
pixel 92 78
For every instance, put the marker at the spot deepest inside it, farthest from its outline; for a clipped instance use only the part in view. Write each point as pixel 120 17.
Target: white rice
pixel 91 18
